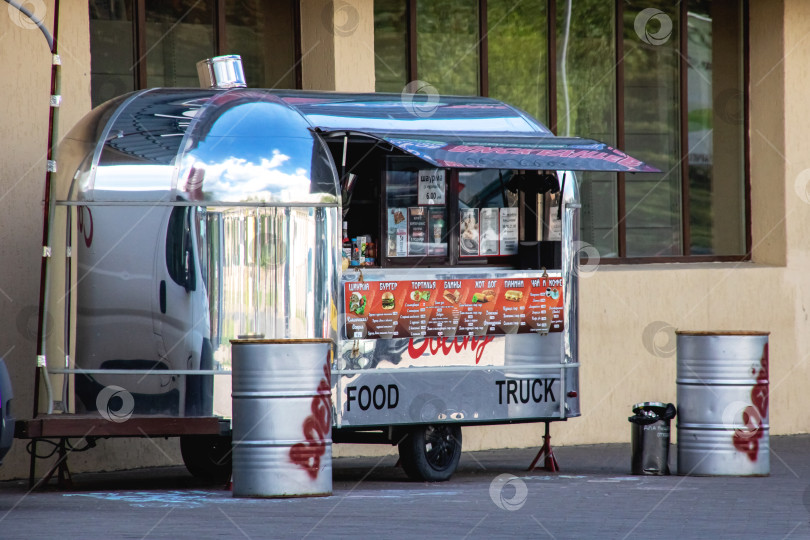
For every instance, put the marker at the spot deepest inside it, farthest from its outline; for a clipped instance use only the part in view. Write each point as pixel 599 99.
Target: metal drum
pixel 282 418
pixel 723 403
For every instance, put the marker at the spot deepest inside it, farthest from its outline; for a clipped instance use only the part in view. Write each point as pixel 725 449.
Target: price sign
pixel 431 186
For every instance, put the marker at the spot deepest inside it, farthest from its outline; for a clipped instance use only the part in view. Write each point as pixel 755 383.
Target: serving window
pixel 416 212
pixel 448 217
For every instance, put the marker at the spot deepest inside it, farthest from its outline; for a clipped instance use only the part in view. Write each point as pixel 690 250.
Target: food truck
pixel 434 239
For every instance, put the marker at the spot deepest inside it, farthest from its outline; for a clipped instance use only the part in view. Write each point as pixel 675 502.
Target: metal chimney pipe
pixel 221 72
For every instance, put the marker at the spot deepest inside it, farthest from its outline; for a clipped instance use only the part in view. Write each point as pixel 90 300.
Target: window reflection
pixel 716 137
pixel 111 49
pixel 516 77
pixel 447 45
pixel 586 106
pixel 390 45
pixel 651 124
pixel 262 32
pixel 178 35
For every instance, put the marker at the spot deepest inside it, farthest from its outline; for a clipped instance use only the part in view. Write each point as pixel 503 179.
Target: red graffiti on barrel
pixel 307 455
pixel 747 439
pixel 446 345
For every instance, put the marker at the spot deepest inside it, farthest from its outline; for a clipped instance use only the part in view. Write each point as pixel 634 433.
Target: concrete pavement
pixel 593 496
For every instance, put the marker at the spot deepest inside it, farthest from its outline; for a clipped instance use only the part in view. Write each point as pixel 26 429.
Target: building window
pixel 665 82
pixel 139 44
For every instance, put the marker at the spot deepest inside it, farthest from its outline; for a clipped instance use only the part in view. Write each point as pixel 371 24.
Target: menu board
pixel 464 307
pixel 488 232
pixel 436 231
pixel 397 232
pixel 417 230
pixel 509 231
pixel 490 228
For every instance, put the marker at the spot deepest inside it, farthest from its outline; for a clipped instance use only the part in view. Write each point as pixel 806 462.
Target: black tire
pixel 431 453
pixel 207 457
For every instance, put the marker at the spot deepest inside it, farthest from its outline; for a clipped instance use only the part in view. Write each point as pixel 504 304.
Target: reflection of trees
pixel 390 45
pixel 651 122
pixel 700 209
pixel 518 62
pixel 447 55
pixel 588 77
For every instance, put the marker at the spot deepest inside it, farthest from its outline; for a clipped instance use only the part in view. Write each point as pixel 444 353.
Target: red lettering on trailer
pixel 85 227
pixel 446 345
pixel 307 455
pixel 746 440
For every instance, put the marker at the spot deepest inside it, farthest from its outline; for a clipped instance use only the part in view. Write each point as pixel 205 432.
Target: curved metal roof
pixel 265 147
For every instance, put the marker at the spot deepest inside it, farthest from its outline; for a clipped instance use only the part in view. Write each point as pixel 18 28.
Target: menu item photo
pixel 387 300
pixel 483 297
pixel 513 296
pixel 452 296
pixel 357 303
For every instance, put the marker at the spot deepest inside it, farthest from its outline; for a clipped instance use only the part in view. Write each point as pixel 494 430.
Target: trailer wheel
pixel 431 453
pixel 207 457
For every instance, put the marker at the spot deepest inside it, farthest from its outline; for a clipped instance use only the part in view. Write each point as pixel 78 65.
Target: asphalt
pixel 592 496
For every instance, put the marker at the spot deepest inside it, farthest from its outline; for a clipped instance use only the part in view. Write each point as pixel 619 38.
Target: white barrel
pixel 722 383
pixel 282 418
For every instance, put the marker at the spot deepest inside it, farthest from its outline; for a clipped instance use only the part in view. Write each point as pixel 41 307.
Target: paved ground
pixel 594 496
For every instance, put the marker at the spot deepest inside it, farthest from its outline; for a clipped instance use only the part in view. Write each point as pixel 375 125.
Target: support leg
pixel 64 481
pixel 550 463
pixel 32 465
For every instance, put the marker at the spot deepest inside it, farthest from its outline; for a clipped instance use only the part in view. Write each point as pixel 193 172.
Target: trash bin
pixel 650 437
pixel 282 417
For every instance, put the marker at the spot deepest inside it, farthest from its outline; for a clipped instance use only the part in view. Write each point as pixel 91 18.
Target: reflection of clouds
pixel 239 179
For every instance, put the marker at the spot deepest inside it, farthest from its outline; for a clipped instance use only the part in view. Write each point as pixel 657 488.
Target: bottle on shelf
pixel 347 246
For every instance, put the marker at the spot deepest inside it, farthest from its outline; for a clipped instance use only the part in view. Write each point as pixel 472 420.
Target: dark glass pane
pixel 390 45
pixel 262 33
pixel 517 42
pixel 489 214
pixel 416 218
pixel 586 106
pixel 447 45
pixel 651 123
pixel 111 50
pixel 716 144
pixel 178 35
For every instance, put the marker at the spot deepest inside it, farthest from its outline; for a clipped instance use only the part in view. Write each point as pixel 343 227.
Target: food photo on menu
pixel 468 232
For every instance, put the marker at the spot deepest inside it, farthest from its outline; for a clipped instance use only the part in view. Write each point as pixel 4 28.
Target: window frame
pixel 551 10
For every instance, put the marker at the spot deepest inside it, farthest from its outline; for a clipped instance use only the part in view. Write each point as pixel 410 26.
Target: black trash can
pixel 650 437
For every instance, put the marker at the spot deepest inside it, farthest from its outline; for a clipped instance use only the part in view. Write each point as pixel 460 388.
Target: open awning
pixel 480 151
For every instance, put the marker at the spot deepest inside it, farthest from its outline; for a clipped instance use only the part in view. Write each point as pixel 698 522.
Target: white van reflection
pixel 142 305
